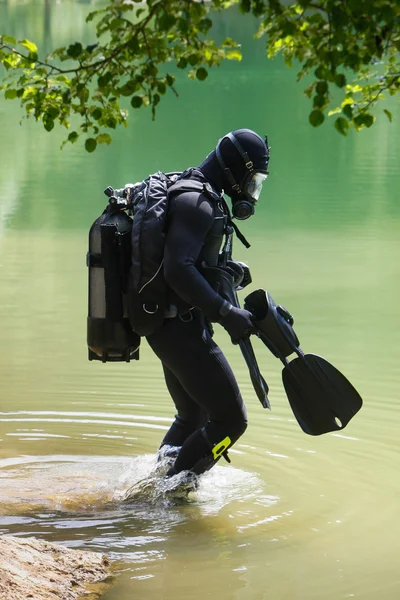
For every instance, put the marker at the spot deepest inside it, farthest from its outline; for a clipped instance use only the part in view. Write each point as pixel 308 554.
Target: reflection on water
pixel 294 516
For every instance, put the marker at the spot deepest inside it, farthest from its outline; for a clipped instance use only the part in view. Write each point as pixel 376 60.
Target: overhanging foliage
pixel 350 46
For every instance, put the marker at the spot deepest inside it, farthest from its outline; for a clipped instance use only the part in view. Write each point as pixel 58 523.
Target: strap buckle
pixel 186 317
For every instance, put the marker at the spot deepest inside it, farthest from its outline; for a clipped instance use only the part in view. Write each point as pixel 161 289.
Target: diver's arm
pixel 190 219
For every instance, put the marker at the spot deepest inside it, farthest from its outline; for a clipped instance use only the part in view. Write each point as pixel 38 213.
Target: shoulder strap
pixel 192 185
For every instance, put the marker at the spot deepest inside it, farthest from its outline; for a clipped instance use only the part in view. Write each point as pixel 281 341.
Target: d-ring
pixel 150 312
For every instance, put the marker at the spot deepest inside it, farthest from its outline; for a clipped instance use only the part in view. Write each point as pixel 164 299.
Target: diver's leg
pixel 188 351
pixel 190 416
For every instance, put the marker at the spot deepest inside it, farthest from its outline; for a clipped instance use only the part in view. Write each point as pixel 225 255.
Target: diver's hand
pixel 237 321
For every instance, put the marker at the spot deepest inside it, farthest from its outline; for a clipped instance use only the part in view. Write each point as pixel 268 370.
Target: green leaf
pixel 316 118
pixel 309 90
pixel 53 112
pixel 388 114
pixel 340 80
pixel 368 120
pixel 363 120
pixel 48 123
pixel 64 79
pixel 134 45
pixel 204 25
pixel 288 60
pixel 201 74
pixel 322 88
pixel 229 42
pixel 194 59
pixel 104 138
pixel 83 94
pixel 111 122
pixel 136 101
pixel 8 39
pixel 320 72
pixel 348 111
pixel 115 24
pixel 353 61
pixel 151 70
pixel 233 55
pixel 289 29
pixel 342 125
pixel 183 25
pixel 7 64
pixel 10 94
pixel 104 79
pixel 28 45
pixel 66 97
pixel 90 145
pixel 319 101
pixel 75 50
pixel 129 88
pixel 161 87
pixel 96 113
pixel 166 21
pixel 170 79
pixel 182 63
pixel 90 47
pixel 73 136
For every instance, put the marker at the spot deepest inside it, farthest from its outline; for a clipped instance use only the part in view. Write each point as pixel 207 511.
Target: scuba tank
pixel 109 334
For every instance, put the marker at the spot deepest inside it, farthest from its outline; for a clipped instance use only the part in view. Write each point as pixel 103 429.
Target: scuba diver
pixel 211 415
pixel 167 274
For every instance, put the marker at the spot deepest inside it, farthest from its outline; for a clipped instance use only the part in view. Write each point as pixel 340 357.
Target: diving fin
pixel 321 397
pixel 273 322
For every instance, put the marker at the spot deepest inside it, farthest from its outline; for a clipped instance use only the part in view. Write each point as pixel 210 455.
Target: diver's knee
pixel 238 428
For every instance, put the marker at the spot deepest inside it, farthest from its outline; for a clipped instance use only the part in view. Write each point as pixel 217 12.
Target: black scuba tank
pixel 109 334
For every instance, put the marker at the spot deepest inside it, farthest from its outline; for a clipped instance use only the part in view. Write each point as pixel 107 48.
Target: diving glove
pixel 237 321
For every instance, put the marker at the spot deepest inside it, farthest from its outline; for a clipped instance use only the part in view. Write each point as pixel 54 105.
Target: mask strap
pixel 228 173
pixel 245 157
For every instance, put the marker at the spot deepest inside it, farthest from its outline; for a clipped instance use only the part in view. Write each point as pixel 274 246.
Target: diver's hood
pixel 239 164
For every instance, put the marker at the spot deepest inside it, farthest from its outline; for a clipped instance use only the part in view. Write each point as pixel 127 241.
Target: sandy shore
pixel 40 570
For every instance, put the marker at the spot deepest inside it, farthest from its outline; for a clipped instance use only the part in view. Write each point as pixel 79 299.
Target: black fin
pixel 321 397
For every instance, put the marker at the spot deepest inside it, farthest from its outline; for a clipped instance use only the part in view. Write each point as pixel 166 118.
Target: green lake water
pixel 294 517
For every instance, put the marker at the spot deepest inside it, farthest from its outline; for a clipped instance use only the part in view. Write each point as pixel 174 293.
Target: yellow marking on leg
pixel 220 448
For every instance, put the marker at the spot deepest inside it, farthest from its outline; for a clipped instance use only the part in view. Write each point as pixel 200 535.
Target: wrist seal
pixel 225 308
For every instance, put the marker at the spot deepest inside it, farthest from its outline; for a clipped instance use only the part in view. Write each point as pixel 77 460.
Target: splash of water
pixel 155 486
pixel 93 483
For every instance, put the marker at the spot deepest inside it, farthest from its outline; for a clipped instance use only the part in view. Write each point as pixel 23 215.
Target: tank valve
pixel 109 191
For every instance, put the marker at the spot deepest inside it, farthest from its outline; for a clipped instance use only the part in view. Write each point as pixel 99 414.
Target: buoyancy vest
pixel 148 297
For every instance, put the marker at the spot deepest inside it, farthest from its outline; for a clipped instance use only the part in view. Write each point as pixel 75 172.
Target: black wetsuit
pixel 210 409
